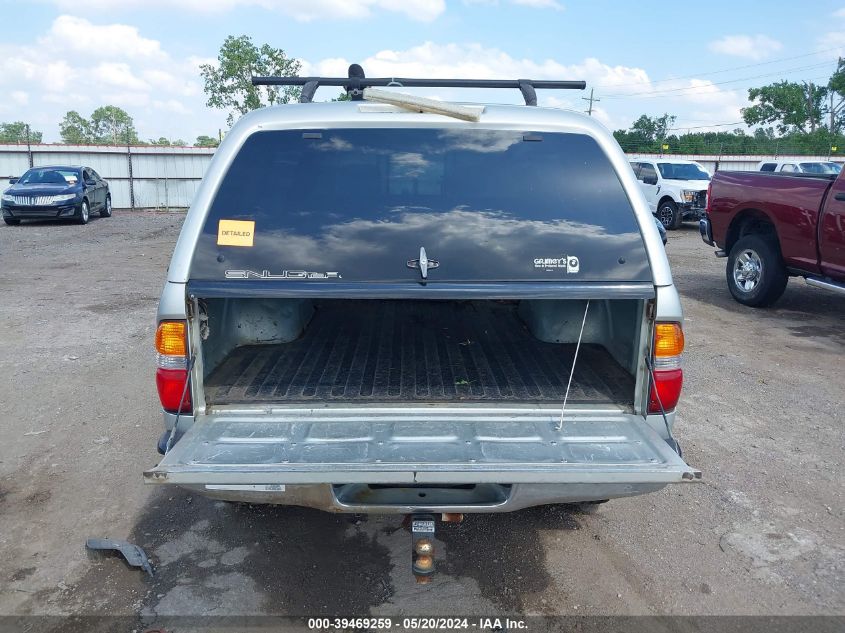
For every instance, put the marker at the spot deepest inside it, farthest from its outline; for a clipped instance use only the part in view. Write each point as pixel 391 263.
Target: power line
pixel 714 83
pixel 591 100
pixel 724 70
pixel 699 127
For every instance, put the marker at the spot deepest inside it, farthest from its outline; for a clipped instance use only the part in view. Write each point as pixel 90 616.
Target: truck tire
pixel 669 215
pixel 755 272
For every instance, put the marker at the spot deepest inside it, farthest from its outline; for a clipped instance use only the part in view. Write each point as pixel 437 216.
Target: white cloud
pixel 534 4
pixel 78 35
pixel 832 44
pixel 302 10
pixel 163 91
pixel 540 4
pixel 754 47
pixel 120 76
pixel 480 62
pixel 476 61
pixel 840 13
pixel 78 65
pixel 20 97
pixel 698 100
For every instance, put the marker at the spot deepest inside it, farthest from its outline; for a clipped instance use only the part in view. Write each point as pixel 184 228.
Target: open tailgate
pixel 419 445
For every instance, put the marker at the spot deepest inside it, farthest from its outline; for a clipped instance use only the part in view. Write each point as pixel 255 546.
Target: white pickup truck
pixel 676 190
pixel 793 166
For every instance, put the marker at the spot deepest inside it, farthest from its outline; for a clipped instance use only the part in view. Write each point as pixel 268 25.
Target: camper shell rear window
pixel 358 204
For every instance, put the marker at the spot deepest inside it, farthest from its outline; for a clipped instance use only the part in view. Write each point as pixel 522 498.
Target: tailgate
pixel 419 445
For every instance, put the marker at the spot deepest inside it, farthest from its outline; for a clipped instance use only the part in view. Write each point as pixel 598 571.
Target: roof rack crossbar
pixel 352 84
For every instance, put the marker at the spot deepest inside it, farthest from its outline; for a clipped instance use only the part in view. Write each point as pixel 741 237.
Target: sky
pixel 695 60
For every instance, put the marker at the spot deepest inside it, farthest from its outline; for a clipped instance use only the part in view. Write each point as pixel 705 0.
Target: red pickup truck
pixel 771 226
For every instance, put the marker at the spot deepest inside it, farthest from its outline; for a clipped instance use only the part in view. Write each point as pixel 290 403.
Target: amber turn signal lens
pixel 668 339
pixel 170 338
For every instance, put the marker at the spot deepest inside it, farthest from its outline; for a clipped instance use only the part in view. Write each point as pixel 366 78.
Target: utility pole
pixel 810 108
pixel 591 100
pixel 28 146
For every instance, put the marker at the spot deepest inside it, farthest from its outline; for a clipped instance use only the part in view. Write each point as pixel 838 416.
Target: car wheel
pixel 668 215
pixel 755 272
pixel 12 221
pixel 84 213
pixel 106 212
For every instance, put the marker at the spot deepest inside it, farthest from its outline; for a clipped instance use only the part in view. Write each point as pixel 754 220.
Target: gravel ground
pixel 761 416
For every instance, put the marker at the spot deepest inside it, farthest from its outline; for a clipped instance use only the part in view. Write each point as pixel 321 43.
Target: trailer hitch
pixel 422 542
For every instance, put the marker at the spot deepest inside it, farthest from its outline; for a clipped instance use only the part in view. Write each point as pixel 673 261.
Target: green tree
pixel 18 132
pixel 646 134
pixel 228 84
pixel 791 106
pixel 161 141
pixel 653 128
pixel 108 125
pixel 75 129
pixel 112 125
pixel 206 141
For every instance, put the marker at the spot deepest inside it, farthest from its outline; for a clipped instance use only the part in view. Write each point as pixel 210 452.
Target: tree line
pixel 107 125
pixel 789 117
pixel 792 118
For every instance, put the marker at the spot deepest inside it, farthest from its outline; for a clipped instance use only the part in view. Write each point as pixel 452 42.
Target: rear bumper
pixel 706 231
pixel 410 500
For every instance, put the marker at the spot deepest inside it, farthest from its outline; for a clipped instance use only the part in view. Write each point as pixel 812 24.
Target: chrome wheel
pixel 83 213
pixel 666 215
pixel 748 270
pixel 106 213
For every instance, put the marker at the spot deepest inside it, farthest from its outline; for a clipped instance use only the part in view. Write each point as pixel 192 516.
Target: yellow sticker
pixel 235 232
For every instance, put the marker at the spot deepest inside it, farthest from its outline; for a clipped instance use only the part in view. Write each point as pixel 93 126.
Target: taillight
pixel 707 202
pixel 172 367
pixel 668 375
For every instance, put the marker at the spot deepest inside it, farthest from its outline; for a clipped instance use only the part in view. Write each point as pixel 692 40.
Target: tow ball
pixel 422 543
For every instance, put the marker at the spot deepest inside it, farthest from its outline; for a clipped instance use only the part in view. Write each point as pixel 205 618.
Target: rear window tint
pixel 326 200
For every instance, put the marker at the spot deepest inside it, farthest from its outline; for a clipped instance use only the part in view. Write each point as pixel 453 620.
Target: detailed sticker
pixel 569 263
pixel 235 232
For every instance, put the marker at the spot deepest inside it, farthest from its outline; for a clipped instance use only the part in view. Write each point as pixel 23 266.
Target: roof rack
pixel 356 82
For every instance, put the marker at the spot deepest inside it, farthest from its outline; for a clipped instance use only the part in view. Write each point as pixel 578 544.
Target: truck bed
pixel 417 351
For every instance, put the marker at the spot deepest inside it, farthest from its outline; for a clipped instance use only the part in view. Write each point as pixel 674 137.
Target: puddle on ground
pixel 217 558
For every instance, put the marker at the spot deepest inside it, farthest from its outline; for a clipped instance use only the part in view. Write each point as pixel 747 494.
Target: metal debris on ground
pixel 133 554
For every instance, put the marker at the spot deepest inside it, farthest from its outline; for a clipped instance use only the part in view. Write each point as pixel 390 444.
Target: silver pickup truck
pixel 377 309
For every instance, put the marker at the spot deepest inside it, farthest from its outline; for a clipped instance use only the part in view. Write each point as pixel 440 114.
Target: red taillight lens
pixel 171 384
pixel 667 384
pixel 172 371
pixel 707 202
pixel 668 376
